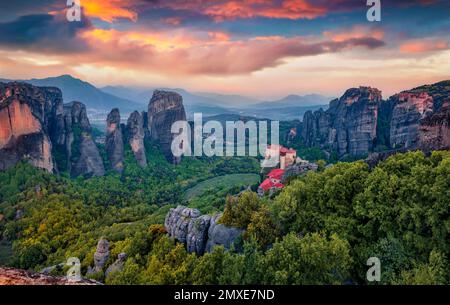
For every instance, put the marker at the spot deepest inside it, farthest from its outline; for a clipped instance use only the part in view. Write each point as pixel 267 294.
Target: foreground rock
pixel 221 235
pixel 11 276
pixel 198 232
pixel 164 109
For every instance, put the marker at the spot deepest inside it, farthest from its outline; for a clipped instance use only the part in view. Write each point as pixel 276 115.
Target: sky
pixel 258 48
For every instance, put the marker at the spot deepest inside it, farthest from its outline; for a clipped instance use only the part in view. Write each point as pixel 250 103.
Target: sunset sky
pixel 259 48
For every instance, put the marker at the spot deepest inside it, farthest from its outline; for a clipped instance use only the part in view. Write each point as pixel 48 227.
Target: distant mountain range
pixel 99 101
pixel 74 89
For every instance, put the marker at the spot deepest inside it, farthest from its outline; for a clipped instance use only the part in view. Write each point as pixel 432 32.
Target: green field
pixel 222 182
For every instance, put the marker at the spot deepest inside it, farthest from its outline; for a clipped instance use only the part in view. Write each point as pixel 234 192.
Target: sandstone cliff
pixel 136 134
pixel 348 126
pixel 420 118
pixel 360 121
pixel 164 109
pixel 83 155
pixel 114 140
pixel 27 114
pixel 37 127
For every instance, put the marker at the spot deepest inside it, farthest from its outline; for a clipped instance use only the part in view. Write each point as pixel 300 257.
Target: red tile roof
pixel 276 174
pixel 268 184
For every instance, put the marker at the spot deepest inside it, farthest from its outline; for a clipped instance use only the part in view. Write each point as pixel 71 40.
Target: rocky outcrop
pixel 27 115
pixel 348 126
pixel 114 141
pixel 221 235
pixel 408 109
pixel 83 155
pixel 118 265
pixel 11 276
pixel 434 130
pixel 136 133
pixel 164 109
pixel 361 121
pixel 101 255
pixel 37 127
pixel 198 232
pixel 299 168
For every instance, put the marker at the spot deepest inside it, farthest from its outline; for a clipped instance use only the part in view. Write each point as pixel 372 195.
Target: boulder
pixel 118 265
pixel 198 232
pixel 221 235
pixel 101 255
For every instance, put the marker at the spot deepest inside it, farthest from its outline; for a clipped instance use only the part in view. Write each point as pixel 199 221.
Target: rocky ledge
pixel 11 276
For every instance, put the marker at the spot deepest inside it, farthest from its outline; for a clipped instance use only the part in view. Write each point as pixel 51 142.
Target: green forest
pixel 320 229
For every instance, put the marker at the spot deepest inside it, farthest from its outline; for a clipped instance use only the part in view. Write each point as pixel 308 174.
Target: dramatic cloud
pixel 43 33
pixel 227 43
pixel 214 54
pixel 110 10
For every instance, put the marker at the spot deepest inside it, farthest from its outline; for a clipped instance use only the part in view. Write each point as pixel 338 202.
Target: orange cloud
pixel 219 36
pixel 224 10
pixel 422 46
pixel 109 10
pixel 210 53
pixel 355 32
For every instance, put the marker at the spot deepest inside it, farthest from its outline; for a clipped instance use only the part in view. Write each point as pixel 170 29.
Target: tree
pixel 312 259
pixel 262 228
pixel 238 210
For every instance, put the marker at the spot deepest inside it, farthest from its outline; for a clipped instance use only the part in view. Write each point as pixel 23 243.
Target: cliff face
pixel 434 130
pixel 348 126
pixel 136 134
pixel 164 109
pixel 83 155
pixel 26 115
pixel 114 140
pixel 361 120
pixel 37 127
pixel 408 109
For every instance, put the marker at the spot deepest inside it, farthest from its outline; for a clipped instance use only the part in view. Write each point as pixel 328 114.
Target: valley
pixel 118 200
